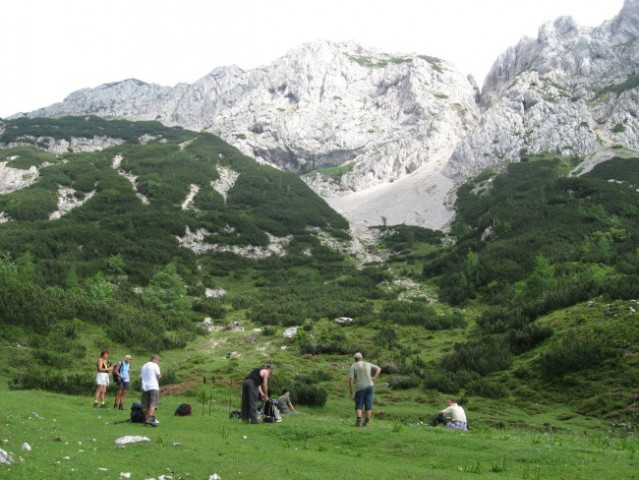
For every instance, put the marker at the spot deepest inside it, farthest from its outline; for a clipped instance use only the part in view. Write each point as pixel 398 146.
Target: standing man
pixel 121 378
pixel 102 379
pixel 254 385
pixel 361 374
pixel 151 389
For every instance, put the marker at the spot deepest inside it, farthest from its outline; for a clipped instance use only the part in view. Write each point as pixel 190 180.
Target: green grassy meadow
pixel 71 440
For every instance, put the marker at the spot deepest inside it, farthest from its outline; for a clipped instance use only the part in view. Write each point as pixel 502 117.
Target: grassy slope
pixel 72 440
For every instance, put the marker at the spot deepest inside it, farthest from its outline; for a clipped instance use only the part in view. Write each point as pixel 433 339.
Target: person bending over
pixel 255 385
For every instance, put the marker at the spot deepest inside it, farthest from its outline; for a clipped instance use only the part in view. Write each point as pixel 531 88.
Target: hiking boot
pixel 121 407
pixel 103 405
pixel 152 421
pixel 95 404
pixel 358 423
pixel 366 423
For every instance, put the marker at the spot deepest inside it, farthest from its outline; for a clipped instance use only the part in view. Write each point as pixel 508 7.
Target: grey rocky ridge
pixel 386 138
pixel 386 124
pixel 570 91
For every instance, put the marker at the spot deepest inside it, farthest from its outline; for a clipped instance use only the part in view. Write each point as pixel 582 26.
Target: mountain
pixel 132 234
pixel 388 138
pixel 570 91
pixel 387 122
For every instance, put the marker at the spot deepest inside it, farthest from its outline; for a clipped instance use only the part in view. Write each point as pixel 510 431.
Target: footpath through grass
pixel 72 440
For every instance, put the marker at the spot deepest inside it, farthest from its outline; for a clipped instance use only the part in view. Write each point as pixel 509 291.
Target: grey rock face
pixel 570 91
pixel 399 132
pixel 379 117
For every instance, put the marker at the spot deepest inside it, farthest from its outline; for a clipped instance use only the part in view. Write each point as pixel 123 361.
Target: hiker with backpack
pixel 151 389
pixel 102 379
pixel 255 385
pixel 121 379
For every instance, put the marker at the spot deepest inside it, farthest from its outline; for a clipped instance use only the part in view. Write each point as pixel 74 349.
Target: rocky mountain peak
pixel 571 92
pixel 373 117
pixel 626 25
pixel 384 137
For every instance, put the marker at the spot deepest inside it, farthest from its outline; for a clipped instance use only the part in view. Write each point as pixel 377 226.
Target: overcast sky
pixel 50 48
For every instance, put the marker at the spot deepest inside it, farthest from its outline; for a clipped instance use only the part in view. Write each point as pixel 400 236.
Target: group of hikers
pixel 150 374
pixel 361 378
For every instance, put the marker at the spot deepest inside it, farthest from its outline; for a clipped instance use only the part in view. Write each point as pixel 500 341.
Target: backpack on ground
pixel 271 412
pixel 137 413
pixel 183 410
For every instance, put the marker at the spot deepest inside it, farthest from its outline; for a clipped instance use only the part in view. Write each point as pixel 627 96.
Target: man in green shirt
pixel 362 375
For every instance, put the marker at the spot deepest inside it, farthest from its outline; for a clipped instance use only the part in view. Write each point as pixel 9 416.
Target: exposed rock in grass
pixel 131 439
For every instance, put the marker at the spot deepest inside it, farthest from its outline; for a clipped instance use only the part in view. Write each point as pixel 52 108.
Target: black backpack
pixel 183 410
pixel 116 378
pixel 271 412
pixel 137 413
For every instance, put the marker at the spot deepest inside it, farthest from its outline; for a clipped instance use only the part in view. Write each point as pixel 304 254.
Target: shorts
pixel 364 399
pixel 457 425
pixel 102 378
pixel 150 399
pixel 122 385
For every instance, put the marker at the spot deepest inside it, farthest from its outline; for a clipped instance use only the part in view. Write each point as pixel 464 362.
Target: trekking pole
pixel 203 396
pixel 210 397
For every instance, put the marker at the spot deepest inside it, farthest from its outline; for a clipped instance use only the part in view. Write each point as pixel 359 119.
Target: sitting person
pixel 453 417
pixel 284 403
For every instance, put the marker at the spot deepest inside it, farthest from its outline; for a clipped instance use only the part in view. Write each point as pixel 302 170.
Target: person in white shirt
pixel 151 388
pixel 453 417
pixel 361 376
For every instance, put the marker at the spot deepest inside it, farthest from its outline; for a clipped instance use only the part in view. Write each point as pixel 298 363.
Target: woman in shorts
pixel 102 379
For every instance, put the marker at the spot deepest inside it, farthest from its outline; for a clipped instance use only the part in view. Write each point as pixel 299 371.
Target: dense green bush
pixel 316 376
pixel 53 380
pixel 403 237
pixel 309 394
pixel 484 356
pixel 449 382
pixel 328 346
pixel 421 314
pixel 526 338
pixel 483 387
pixel 213 308
pixel 387 336
pixel 403 382
pixel 305 389
pixel 573 355
pixel 500 319
pixel 56 350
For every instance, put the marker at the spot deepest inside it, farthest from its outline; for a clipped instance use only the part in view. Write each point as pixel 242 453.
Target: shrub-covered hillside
pixel 134 236
pixel 553 260
pixel 135 198
pixel 128 235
